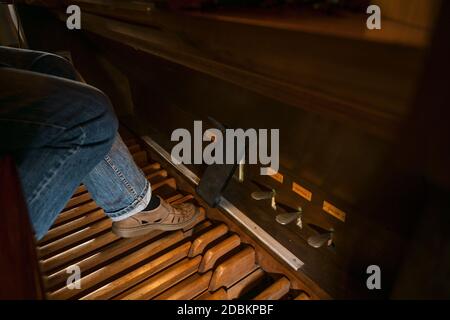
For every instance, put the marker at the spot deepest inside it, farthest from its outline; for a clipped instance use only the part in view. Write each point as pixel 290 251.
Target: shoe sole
pixel 143 230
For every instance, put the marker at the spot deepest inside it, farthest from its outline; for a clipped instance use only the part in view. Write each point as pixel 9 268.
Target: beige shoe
pixel 165 217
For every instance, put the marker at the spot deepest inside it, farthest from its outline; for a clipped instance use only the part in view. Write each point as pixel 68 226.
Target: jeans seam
pixel 54 171
pixel 121 176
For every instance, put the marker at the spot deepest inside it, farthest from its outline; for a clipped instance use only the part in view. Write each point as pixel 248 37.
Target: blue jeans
pixel 62 133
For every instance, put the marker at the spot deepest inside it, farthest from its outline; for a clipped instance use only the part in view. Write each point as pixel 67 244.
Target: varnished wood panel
pixel 117 266
pixel 245 284
pixel 160 282
pixel 220 294
pixel 275 291
pixel 188 289
pixel 89 262
pixel 76 237
pixel 216 252
pixel 203 240
pixel 18 260
pixel 125 282
pixel 418 13
pixel 309 82
pixel 72 225
pixel 75 212
pixel 233 269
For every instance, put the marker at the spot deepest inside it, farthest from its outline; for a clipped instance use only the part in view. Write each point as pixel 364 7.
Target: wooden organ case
pixel 343 98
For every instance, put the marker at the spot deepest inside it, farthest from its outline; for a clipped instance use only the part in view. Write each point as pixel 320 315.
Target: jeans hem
pixel 137 206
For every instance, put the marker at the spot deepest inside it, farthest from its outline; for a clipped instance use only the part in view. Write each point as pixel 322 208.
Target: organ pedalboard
pixel 206 261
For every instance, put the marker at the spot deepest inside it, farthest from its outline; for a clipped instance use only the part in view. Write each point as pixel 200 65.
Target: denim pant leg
pixel 37 61
pixel 117 184
pixel 58 130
